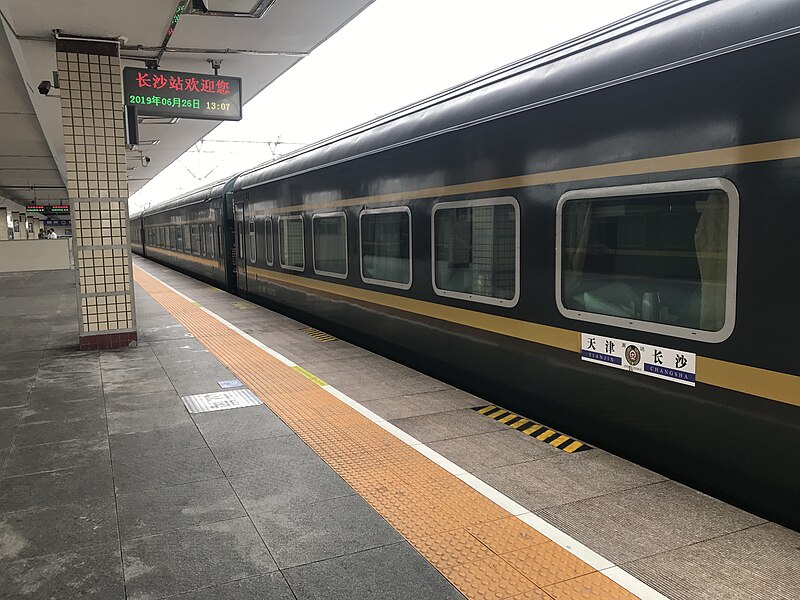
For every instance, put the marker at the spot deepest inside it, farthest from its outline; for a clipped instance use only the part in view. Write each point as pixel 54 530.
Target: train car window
pixel 268 241
pixel 385 246
pixel 291 243
pixel 179 238
pixel 329 244
pixel 202 240
pixel 172 238
pixel 161 241
pixel 210 242
pixel 251 239
pixel 476 250
pixel 195 239
pixel 187 239
pixel 655 257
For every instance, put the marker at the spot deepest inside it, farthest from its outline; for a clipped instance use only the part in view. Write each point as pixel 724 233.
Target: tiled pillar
pixel 94 140
pixel 3 224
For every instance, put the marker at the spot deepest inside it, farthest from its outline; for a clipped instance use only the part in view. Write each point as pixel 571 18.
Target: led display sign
pixel 48 208
pixel 157 93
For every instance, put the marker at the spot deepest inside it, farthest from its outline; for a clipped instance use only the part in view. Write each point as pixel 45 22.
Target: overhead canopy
pixel 256 48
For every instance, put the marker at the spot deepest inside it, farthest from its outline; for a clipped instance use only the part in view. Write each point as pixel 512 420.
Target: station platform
pixel 342 475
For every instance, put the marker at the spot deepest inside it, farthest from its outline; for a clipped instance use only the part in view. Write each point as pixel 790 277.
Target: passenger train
pixel 602 237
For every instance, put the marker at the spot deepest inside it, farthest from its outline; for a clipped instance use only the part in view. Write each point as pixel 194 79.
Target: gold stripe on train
pixel 208 262
pixel 719 157
pixel 772 385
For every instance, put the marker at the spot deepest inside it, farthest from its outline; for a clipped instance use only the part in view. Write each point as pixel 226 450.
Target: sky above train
pixel 393 53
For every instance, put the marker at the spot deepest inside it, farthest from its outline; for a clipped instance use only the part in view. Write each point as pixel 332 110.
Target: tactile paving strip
pixel 483 550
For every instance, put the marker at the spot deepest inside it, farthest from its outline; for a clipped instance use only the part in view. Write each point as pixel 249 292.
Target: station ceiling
pixel 256 40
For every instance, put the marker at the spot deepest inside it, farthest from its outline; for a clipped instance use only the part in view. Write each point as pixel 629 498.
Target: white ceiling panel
pixel 289 25
pixel 143 22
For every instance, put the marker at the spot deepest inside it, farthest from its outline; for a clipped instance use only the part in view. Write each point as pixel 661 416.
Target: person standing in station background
pixel 42 234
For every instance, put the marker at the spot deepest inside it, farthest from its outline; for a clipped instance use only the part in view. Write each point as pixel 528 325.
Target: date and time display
pixel 158 93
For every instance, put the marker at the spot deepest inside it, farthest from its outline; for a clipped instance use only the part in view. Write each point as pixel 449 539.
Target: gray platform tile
pixel 307 533
pixel 636 523
pixel 63 408
pixel 418 384
pixel 133 375
pixel 760 563
pixel 91 573
pixel 6 433
pixel 59 455
pixel 395 572
pixel 447 425
pixel 237 457
pixel 57 528
pixel 13 399
pixel 170 351
pixel 250 423
pixel 148 419
pixel 16 385
pixel 494 449
pixel 60 431
pixel 78 370
pixel 168 439
pixel 187 559
pixel 271 586
pixel 136 402
pixel 276 487
pixel 200 383
pixel 565 478
pixel 158 384
pixel 426 403
pixel 157 510
pixel 158 469
pixel 40 490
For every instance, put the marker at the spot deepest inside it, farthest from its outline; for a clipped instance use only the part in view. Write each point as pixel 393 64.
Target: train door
pixel 240 246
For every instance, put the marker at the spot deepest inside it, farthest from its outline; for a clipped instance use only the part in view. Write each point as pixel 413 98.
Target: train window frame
pixel 280 238
pixel 269 242
pixel 478 202
pixel 192 229
pixel 252 242
pixel 202 239
pixel 689 185
pixel 210 241
pixel 390 284
pixel 328 215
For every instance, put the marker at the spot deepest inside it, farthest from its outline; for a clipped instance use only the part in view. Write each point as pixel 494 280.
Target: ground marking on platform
pixel 533 429
pixel 598 563
pixel 198 403
pixel 318 335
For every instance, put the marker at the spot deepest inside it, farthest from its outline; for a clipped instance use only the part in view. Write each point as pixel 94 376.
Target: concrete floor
pixel 111 489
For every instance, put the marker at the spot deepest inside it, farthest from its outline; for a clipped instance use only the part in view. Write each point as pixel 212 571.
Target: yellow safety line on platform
pixel 482 549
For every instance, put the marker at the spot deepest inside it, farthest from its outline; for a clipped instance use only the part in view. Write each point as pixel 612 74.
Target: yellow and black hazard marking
pixel 318 335
pixel 533 429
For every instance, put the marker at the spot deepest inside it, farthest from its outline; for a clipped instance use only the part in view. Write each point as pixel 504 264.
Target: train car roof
pixel 203 194
pixel 662 37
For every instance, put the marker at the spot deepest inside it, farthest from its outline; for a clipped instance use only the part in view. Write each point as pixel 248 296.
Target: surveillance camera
pixel 145 161
pixel 44 88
